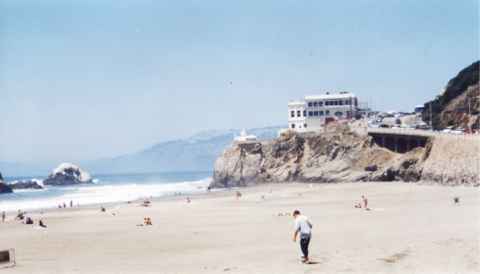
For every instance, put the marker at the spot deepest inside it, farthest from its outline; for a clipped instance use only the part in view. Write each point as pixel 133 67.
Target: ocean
pixel 106 189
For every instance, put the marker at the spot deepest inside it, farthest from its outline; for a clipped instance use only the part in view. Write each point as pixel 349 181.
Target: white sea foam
pixel 101 194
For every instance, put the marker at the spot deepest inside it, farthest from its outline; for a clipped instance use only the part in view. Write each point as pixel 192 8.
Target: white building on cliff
pixel 315 111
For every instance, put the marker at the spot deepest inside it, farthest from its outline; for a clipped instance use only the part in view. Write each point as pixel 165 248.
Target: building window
pixel 314 104
pixel 310 113
pixel 292 113
pixel 320 104
pixel 293 125
pixel 299 113
pixel 340 102
pixel 304 113
pixel 310 104
pixel 339 114
pixel 327 112
pixel 315 113
pixel 321 113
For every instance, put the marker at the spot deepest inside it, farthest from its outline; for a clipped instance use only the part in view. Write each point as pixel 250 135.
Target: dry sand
pixel 410 229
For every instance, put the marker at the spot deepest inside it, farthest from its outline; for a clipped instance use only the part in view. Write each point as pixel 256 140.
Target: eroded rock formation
pixel 343 156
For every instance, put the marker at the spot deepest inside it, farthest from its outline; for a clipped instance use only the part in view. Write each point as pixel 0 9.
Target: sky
pixel 91 79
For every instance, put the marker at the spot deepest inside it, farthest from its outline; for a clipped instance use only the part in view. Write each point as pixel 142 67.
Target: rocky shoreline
pixel 342 155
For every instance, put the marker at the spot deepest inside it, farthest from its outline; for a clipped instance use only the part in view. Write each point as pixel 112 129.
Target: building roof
pixel 296 103
pixel 345 95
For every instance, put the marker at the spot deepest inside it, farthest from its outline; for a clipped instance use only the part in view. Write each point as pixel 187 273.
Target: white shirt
pixel 303 225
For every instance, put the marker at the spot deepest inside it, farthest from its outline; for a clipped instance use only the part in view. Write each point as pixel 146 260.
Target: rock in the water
pixel 3 187
pixel 68 174
pixel 27 184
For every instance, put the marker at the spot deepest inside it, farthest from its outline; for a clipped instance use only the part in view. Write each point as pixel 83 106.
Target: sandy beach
pixel 410 229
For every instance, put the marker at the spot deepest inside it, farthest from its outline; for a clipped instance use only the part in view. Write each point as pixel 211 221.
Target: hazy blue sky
pixel 89 79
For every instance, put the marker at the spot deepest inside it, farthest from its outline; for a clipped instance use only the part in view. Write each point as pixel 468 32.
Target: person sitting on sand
pixel 20 215
pixel 147 221
pixel 238 195
pixel 41 224
pixel 304 228
pixel 29 221
pixel 102 209
pixel 365 202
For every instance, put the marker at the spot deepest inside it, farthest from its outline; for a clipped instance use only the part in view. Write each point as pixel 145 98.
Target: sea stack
pixel 26 184
pixel 3 187
pixel 68 174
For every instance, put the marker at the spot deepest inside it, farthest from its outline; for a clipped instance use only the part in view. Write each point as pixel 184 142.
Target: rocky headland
pixel 459 104
pixel 340 154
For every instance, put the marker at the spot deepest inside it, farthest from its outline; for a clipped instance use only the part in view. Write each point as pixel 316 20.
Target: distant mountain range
pixel 196 153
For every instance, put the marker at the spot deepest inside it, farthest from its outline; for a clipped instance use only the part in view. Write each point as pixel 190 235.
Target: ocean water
pixel 107 189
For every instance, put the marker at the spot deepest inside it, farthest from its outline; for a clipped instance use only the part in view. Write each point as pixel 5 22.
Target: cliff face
pixel 337 156
pixel 459 105
pixel 344 156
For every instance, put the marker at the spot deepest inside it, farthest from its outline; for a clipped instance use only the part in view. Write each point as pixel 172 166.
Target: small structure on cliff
pixel 244 137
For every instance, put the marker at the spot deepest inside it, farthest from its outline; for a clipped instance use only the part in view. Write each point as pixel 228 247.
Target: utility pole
pixel 431 116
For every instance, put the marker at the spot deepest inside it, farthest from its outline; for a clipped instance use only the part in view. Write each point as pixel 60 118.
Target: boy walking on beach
pixel 304 228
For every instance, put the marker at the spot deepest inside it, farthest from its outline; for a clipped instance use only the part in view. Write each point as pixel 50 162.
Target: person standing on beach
pixel 4 215
pixel 365 202
pixel 303 226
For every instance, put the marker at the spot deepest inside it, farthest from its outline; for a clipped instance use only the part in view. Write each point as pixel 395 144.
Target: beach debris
pixel 395 257
pixel 7 258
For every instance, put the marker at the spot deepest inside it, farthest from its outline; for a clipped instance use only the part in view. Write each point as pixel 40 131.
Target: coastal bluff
pixel 341 154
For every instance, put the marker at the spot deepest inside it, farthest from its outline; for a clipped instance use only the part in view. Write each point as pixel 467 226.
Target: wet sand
pixel 410 229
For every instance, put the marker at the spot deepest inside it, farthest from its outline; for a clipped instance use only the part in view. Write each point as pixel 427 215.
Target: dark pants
pixel 304 243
